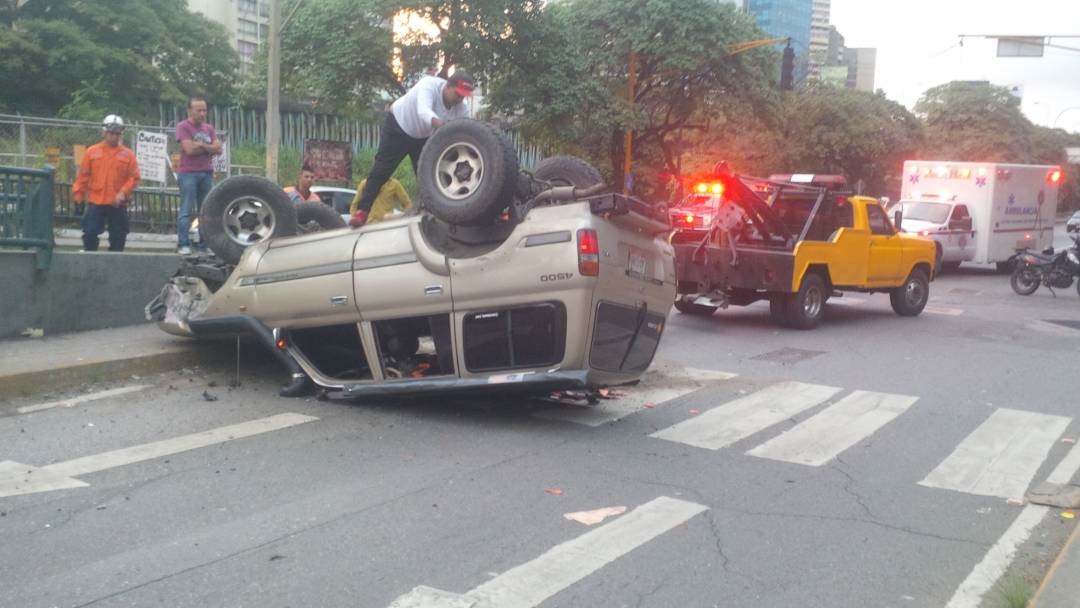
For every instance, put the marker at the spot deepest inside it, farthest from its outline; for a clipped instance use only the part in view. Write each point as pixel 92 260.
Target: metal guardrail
pixel 150 209
pixel 26 211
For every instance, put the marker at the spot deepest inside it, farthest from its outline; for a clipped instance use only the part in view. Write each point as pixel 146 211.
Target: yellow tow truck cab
pixel 796 241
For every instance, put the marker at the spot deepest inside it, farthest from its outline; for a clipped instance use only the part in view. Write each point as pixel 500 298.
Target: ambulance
pixel 979 212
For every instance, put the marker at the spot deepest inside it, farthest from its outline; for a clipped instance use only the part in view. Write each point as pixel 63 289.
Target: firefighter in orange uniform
pixel 108 175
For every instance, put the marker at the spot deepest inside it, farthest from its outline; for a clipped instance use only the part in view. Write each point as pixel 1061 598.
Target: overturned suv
pixel 504 280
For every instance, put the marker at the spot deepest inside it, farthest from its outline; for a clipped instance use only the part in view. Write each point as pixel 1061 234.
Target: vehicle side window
pixel 960 212
pixel 879 222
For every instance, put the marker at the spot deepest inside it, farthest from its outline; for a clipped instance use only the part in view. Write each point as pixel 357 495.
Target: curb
pixel 1048 591
pixel 106 370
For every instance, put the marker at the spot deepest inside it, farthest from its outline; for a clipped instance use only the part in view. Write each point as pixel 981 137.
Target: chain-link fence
pixel 34 142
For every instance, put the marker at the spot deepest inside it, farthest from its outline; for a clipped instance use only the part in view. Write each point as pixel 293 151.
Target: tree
pixel 568 83
pixel 82 58
pixel 858 134
pixel 974 121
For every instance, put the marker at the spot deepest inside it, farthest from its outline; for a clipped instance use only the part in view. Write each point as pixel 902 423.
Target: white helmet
pixel 113 123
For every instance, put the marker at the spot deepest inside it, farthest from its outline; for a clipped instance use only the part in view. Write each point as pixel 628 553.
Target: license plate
pixel 637 265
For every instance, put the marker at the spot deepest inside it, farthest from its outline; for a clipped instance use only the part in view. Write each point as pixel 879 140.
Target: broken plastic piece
pixel 554 491
pixel 1015 502
pixel 695 412
pixel 1068 440
pixel 595 516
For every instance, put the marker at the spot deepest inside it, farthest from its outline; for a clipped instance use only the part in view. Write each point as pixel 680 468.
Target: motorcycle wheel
pixel 1024 280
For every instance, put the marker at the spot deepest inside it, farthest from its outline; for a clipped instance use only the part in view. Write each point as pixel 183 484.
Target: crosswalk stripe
pixel 533 582
pixel 654 388
pixel 728 423
pixel 1001 456
pixel 825 435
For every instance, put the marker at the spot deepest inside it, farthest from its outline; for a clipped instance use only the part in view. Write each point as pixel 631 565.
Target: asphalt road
pixel 862 496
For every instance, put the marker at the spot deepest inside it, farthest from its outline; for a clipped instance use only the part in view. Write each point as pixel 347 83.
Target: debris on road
pixel 554 491
pixel 1015 502
pixel 33 332
pixel 1061 495
pixel 595 516
pixel 207 396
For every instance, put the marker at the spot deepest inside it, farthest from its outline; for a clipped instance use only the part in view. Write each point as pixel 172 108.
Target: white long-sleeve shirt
pixel 414 110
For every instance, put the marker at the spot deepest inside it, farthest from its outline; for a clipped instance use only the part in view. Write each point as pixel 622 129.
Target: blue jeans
pixel 93 224
pixel 193 189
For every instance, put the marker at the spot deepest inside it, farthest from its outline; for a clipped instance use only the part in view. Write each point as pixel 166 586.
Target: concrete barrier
pixel 81 291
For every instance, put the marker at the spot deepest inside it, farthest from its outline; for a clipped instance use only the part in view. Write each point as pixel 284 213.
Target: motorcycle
pixel 1046 268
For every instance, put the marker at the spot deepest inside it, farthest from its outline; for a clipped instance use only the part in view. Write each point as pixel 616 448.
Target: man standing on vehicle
pixel 107 176
pixel 195 175
pixel 302 192
pixel 412 119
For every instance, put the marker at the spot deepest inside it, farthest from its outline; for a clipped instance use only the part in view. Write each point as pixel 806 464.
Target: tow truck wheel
pixel 690 308
pixel 778 309
pixel 909 299
pixel 805 307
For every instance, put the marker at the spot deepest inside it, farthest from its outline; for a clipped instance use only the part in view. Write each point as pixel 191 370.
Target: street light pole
pixel 1062 113
pixel 273 92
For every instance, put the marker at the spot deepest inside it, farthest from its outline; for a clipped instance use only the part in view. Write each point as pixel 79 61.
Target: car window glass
pixel 960 212
pixel 879 222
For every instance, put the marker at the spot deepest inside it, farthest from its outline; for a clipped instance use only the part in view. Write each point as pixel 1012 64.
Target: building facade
pixel 819 36
pixel 861 65
pixel 787 19
pixel 246 21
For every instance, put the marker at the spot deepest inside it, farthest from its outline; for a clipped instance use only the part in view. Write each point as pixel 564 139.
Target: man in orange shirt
pixel 108 175
pixel 302 192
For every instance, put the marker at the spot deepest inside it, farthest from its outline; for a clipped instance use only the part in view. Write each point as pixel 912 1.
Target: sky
pixel 917 44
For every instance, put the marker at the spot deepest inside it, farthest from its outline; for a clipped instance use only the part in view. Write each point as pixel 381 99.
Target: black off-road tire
pixel 312 216
pixel 806 307
pixel 567 171
pixel 691 308
pixel 468 173
pixel 242 211
pixel 910 299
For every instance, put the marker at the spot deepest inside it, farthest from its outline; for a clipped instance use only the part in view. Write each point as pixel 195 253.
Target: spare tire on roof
pixel 314 216
pixel 242 211
pixel 567 171
pixel 467 173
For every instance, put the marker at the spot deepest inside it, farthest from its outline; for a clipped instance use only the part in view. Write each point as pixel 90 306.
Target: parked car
pixel 500 282
pixel 1073 225
pixel 338 198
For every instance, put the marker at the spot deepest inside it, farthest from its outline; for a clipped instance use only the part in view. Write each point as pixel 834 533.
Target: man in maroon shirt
pixel 195 175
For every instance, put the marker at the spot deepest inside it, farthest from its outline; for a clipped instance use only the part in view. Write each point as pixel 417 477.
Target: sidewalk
pixel 1061 587
pixel 64 360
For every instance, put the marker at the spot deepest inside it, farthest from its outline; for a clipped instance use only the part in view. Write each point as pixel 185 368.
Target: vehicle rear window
pixel 625 338
pixel 526 336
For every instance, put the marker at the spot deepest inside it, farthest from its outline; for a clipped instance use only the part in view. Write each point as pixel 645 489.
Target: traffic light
pixel 787 69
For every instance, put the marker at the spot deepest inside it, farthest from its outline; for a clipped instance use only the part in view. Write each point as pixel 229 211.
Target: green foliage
pixel 81 58
pixel 289 162
pixel 855 133
pixel 568 82
pixel 973 121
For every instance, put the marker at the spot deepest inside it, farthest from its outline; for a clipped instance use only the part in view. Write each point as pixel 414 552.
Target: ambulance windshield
pixel 935 213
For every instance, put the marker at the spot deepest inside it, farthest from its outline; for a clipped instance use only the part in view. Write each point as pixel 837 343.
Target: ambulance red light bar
pixel 1054 176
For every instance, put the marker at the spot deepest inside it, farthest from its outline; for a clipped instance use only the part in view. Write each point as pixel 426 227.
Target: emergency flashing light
pixel 982 171
pixel 702 188
pixel 941 171
pixel 965 173
pixel 280 343
pixel 914 169
pixel 688 219
pixel 710 188
pixel 1054 176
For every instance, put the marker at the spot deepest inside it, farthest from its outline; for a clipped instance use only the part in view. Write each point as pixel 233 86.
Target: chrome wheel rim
pixel 459 171
pixel 914 293
pixel 249 220
pixel 812 302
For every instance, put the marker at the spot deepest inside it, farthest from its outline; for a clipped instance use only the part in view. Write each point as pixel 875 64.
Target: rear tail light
pixel 1054 176
pixel 588 254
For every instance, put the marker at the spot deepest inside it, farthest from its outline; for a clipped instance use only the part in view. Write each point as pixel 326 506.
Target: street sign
pixel 330 160
pixel 152 155
pixel 222 162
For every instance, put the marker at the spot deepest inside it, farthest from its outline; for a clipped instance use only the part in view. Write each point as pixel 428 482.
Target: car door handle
pixel 433 290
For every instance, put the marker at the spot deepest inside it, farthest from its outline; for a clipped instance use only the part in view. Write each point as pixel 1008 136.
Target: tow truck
pixel 797 240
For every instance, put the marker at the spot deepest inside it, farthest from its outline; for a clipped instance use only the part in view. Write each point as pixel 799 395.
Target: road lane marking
pixel 1001 456
pixel 943 310
pixel 16 478
pixel 843 424
pixel 72 402
pixel 654 388
pixel 533 582
pixel 738 419
pixel 997 560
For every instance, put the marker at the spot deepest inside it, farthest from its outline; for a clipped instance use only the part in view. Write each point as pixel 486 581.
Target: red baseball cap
pixel 462 82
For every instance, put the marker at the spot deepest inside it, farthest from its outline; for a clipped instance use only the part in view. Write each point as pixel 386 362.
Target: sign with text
pixel 152 154
pixel 331 160
pixel 222 161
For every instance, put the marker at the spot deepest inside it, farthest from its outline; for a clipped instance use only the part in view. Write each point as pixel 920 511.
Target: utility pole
pixel 273 92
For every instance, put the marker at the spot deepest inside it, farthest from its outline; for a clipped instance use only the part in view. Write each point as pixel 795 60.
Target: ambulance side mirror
pixel 898 217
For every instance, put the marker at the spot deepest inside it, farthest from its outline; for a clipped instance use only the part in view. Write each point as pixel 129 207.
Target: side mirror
pixel 898 217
